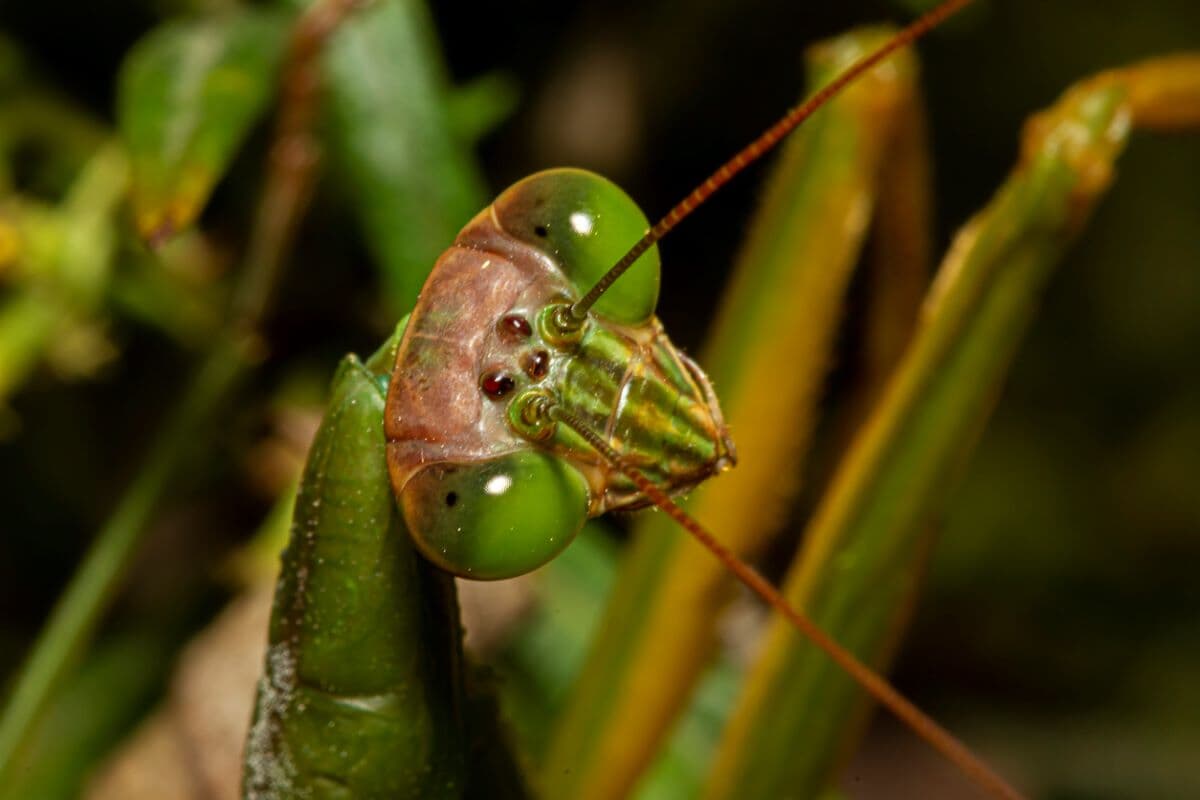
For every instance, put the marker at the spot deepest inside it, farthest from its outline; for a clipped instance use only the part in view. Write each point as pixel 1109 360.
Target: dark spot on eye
pixel 515 325
pixel 542 231
pixel 496 384
pixel 451 498
pixel 537 364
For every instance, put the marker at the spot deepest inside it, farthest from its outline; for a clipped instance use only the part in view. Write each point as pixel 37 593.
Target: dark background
pixel 1062 619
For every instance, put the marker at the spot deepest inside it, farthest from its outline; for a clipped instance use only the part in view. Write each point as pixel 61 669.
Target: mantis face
pixel 487 489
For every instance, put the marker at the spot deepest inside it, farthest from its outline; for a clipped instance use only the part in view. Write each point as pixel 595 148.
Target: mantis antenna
pixel 570 317
pixel 876 686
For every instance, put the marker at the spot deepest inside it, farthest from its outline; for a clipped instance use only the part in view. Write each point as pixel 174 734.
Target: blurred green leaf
pixel 89 717
pixel 542 659
pixel 61 261
pixel 475 108
pixel 865 549
pixel 783 307
pixel 188 94
pixel 414 181
pixel 172 289
pixel 26 322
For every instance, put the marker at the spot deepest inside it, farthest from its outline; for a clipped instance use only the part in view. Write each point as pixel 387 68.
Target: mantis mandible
pixel 553 408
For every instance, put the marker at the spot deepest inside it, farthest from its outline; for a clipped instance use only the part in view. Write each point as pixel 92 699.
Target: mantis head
pixel 489 486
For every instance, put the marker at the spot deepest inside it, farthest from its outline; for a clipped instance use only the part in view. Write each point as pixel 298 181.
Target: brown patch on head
pixel 473 344
pixel 447 397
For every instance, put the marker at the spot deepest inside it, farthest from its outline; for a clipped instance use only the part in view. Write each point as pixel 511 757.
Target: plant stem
pixel 78 610
pixel 294 158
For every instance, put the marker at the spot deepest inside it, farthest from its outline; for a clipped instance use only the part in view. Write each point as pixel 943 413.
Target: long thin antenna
pixel 888 696
pixel 756 149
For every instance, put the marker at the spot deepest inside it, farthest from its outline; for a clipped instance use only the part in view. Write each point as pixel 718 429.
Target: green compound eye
pixel 586 223
pixel 495 519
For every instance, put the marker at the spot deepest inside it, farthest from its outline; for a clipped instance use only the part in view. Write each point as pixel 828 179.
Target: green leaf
pixel 414 183
pixel 768 354
pixel 188 94
pixel 866 545
pixel 61 259
pixel 477 107
pixel 89 715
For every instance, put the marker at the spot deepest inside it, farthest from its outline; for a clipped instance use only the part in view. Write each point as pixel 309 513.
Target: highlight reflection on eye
pixel 498 484
pixel 582 223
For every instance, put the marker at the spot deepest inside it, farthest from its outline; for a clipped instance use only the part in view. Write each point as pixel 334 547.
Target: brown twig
pixel 293 159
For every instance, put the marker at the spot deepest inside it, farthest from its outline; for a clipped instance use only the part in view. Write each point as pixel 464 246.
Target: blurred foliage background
pixel 1062 615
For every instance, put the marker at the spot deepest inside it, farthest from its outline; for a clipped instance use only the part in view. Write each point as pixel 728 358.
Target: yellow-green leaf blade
pixel 859 570
pixel 767 357
pixel 188 95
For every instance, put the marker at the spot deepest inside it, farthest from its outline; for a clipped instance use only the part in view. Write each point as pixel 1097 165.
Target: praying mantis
pixel 472 447
pixel 442 625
